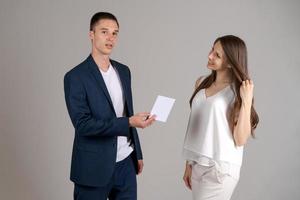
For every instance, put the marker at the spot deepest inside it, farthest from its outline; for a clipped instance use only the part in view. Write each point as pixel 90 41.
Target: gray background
pixel 166 44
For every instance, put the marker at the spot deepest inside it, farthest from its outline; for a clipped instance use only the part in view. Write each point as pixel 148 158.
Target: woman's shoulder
pixel 199 81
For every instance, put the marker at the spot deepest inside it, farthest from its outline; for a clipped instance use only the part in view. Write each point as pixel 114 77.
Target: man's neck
pixel 102 61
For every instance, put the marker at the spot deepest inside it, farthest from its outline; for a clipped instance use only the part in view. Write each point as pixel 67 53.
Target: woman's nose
pixel 210 56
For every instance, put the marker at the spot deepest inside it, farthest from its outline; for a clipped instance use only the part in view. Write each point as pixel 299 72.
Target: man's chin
pixel 106 52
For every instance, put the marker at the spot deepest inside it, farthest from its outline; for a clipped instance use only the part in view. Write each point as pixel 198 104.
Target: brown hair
pixel 101 15
pixel 236 54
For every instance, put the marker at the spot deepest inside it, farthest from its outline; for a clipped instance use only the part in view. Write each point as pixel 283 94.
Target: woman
pixel 221 121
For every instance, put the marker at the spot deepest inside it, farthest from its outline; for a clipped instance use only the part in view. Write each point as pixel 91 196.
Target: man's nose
pixel 110 37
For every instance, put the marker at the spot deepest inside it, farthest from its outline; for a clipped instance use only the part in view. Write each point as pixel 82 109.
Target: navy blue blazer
pixel 95 122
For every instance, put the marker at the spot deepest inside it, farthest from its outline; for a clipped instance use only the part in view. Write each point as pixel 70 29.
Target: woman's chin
pixel 210 67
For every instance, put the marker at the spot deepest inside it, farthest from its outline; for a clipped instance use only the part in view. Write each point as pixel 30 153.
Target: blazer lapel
pixel 97 75
pixel 124 81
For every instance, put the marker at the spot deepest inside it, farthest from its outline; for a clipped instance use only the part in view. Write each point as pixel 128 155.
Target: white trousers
pixel 210 183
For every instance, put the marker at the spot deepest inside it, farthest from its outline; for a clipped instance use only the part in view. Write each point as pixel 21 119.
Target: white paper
pixel 162 108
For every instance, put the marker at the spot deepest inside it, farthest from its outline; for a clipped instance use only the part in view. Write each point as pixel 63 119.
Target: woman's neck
pixel 223 77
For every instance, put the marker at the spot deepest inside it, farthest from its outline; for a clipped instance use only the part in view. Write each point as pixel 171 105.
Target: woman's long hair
pixel 236 54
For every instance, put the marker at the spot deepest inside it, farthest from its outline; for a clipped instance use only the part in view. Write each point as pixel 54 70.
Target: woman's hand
pixel 242 129
pixel 246 93
pixel 187 176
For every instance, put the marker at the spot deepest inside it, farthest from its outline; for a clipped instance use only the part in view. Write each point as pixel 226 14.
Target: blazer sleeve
pixel 83 121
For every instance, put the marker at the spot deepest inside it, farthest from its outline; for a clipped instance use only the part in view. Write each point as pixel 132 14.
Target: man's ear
pixel 91 35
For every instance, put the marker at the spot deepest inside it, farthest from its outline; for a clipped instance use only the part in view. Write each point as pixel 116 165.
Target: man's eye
pixel 104 32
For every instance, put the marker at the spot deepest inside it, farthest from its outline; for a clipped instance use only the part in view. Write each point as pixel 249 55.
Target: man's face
pixel 104 36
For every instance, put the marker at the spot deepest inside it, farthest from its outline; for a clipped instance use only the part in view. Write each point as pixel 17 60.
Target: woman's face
pixel 216 58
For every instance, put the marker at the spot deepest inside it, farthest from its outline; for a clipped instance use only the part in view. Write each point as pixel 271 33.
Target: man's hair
pixel 101 15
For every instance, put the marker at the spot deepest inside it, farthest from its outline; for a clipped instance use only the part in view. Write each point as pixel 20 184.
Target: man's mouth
pixel 109 46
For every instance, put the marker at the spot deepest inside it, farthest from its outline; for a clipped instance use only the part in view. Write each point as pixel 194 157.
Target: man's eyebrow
pixel 103 28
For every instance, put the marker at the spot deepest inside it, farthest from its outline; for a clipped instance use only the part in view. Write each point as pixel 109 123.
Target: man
pixel 106 151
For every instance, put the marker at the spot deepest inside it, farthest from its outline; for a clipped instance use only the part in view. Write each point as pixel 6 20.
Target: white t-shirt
pixel 114 87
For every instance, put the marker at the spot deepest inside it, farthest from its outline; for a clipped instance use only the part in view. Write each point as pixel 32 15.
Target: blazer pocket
pixel 89 148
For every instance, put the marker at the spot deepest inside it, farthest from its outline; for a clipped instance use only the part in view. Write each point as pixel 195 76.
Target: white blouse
pixel 208 137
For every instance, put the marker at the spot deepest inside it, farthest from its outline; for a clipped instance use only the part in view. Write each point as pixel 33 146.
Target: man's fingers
pixel 144 114
pixel 150 120
pixel 141 166
pixel 144 119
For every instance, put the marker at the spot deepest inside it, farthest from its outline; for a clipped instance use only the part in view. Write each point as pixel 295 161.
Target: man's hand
pixel 141 120
pixel 140 166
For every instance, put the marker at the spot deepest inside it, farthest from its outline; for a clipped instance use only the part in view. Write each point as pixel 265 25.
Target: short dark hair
pixel 101 15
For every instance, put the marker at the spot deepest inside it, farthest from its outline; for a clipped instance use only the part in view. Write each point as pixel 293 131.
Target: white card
pixel 162 108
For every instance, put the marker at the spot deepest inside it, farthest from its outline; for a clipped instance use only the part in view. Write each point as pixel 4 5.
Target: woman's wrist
pixel 246 105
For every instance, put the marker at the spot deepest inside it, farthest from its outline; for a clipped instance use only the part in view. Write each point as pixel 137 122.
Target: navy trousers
pixel 122 185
